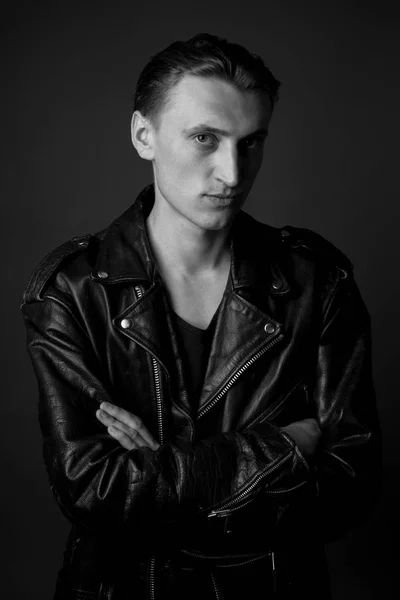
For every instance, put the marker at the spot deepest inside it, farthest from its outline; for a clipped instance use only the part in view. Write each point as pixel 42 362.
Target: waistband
pixel 164 571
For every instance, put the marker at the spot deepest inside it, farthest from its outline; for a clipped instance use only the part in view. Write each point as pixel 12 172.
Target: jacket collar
pixel 125 253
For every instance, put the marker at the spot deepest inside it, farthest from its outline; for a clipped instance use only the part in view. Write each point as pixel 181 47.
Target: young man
pixel 206 398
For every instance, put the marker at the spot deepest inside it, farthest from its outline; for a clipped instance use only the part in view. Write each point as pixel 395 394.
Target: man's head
pixel 201 115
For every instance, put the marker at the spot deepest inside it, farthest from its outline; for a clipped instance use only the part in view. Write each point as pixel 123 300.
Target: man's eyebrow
pixel 218 131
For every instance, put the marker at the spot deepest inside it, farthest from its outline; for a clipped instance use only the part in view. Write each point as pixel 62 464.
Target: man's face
pixel 208 149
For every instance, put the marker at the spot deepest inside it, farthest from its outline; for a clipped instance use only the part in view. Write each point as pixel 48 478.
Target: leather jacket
pixel 227 485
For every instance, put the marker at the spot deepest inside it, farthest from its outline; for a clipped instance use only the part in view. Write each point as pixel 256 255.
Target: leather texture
pixel 292 340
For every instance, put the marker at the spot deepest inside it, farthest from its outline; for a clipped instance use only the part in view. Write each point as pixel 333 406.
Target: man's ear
pixel 142 136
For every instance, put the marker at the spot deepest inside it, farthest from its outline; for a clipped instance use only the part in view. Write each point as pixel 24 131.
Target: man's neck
pixel 184 248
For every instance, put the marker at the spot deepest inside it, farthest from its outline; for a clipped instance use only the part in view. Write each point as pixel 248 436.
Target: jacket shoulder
pixel 316 248
pixel 51 264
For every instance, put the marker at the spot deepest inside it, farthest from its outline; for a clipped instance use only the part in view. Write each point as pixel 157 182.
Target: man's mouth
pixel 223 196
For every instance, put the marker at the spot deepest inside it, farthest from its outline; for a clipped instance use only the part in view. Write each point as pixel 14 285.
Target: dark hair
pixel 204 55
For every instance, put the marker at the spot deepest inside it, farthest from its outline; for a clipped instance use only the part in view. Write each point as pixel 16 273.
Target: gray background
pixel 331 164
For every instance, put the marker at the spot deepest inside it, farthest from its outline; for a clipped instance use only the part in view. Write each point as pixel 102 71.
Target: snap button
pixel 269 328
pixel 285 233
pixel 102 274
pixel 276 284
pixel 167 569
pixel 125 323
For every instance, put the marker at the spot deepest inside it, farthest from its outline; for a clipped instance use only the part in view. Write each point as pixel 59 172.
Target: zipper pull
pixel 274 582
pixel 225 514
pixel 219 513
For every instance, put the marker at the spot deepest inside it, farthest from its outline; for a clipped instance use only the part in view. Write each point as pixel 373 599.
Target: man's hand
pixel 125 427
pixel 305 434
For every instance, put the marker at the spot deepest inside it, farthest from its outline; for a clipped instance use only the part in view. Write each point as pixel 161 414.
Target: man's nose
pixel 228 167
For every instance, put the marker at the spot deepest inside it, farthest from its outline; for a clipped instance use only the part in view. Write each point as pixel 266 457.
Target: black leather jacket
pixel 292 340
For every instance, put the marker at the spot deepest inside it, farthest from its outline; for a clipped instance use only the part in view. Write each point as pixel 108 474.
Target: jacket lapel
pixel 242 331
pixel 145 322
pixel 246 322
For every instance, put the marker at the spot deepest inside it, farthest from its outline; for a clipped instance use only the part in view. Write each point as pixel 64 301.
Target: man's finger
pixel 132 421
pixel 110 422
pixel 122 438
pixel 138 435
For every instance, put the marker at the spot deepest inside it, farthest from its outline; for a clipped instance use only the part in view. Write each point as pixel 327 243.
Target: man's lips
pixel 221 201
pixel 224 197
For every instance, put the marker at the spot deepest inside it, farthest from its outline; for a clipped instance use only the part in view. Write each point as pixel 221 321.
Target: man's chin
pixel 217 221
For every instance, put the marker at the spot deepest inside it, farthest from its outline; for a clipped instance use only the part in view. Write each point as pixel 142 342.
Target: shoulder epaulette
pixel 321 248
pixel 49 264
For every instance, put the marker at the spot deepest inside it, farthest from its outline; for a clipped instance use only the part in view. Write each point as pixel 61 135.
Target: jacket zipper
pixel 236 502
pixel 152 582
pixel 217 589
pixel 238 373
pixel 227 512
pixel 157 384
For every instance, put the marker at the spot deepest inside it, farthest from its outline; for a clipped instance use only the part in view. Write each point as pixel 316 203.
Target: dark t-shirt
pixel 195 347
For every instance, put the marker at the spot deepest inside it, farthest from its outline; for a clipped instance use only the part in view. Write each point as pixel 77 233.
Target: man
pixel 206 397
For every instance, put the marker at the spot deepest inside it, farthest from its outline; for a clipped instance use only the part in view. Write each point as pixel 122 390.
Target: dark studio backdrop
pixel 331 165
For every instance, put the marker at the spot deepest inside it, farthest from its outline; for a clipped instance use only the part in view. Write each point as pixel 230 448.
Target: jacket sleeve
pixel 347 465
pixel 345 471
pixel 98 483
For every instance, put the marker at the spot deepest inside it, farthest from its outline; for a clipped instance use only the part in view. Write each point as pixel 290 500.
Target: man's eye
pixel 204 139
pixel 253 142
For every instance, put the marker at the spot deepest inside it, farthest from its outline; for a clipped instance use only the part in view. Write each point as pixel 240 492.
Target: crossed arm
pixel 131 432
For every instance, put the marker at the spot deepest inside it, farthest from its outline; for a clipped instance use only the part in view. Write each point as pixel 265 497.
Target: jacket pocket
pixel 295 407
pixel 289 407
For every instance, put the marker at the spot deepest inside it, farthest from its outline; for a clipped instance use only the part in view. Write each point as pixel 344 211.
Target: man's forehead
pixel 218 103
